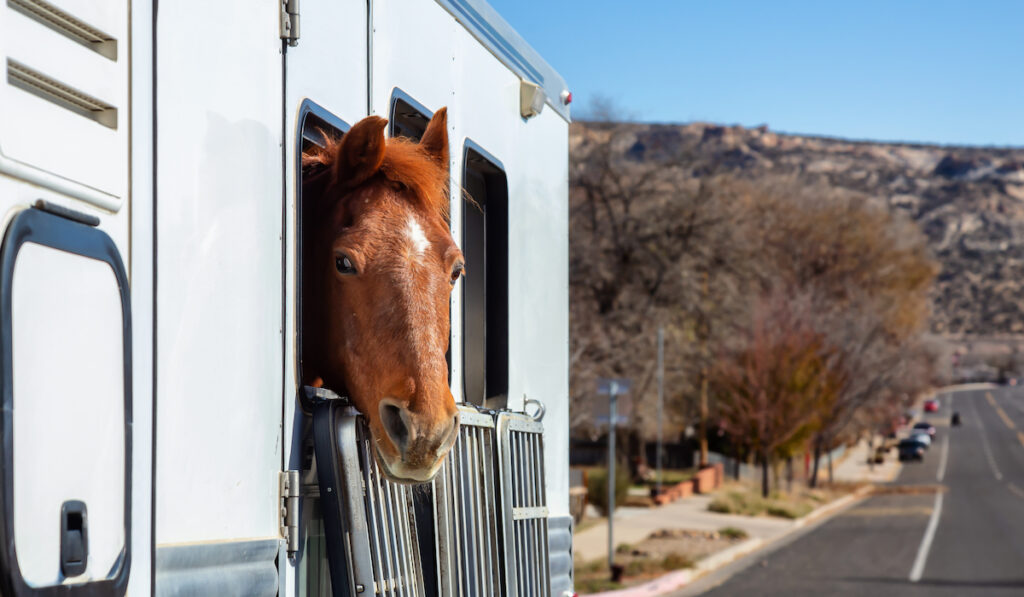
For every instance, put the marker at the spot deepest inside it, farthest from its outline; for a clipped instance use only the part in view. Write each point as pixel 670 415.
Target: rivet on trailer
pixel 163 431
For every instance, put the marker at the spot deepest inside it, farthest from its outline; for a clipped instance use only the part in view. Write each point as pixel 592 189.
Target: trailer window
pixel 485 287
pixel 408 117
pixel 316 122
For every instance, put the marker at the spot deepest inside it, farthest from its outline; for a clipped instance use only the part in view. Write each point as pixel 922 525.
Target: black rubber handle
pixel 74 538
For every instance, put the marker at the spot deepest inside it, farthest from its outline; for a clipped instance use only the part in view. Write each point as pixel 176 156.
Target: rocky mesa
pixel 968 201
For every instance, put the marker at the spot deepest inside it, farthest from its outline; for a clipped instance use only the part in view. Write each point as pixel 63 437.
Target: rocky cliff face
pixel 969 201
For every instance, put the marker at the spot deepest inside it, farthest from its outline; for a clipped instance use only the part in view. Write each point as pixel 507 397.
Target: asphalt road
pixel 965 540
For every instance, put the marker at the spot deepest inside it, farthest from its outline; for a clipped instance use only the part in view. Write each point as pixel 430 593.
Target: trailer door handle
pixel 74 538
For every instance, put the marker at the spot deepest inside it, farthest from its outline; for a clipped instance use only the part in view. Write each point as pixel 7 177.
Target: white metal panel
pixel 413 49
pixel 47 144
pixel 535 155
pixel 219 344
pixel 69 434
pixel 448 66
pixel 538 181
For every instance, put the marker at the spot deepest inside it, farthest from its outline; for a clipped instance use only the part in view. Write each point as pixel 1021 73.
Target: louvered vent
pixel 64 96
pixel 67 25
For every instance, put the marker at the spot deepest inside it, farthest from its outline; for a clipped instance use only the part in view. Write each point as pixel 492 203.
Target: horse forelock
pixel 405 163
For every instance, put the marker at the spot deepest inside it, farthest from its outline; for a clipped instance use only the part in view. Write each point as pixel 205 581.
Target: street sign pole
pixel 612 410
pixel 612 387
pixel 661 403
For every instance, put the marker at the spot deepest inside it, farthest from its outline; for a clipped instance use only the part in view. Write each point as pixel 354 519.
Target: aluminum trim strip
pixel 489 28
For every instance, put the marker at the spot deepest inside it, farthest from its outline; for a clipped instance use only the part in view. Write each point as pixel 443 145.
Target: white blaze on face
pixel 417 238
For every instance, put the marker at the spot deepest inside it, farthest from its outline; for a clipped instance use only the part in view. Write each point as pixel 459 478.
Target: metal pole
pixel 661 402
pixel 612 410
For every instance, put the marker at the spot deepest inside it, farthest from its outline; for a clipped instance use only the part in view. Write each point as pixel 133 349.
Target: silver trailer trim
pixel 560 546
pixel 490 29
pixel 235 568
pixel 468 512
pixel 490 519
pixel 525 524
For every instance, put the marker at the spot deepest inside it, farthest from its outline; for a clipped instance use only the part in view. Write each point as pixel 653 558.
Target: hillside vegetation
pixel 802 282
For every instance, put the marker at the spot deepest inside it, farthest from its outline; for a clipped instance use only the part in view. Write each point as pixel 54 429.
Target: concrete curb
pixel 830 507
pixel 681 578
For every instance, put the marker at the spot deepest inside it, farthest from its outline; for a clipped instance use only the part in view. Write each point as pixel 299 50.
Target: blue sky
pixel 900 70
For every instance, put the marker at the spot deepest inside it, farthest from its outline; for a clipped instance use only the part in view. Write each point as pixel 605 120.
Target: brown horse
pixel 378 273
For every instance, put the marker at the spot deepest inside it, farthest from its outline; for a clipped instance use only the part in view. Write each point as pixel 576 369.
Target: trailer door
pixel 65 381
pixel 325 92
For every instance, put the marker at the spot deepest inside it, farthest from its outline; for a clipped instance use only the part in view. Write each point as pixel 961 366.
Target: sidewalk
pixel 855 467
pixel 633 525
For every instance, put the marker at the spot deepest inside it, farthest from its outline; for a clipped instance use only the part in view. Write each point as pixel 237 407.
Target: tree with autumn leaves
pixel 834 340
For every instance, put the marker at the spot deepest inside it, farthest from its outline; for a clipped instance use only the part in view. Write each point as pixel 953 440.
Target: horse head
pixel 380 269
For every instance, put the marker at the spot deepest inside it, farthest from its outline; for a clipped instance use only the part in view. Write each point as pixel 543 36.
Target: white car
pixel 923 437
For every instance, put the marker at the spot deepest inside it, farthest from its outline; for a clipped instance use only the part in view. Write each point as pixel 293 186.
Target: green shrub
pixel 732 533
pixel 597 487
pixel 623 548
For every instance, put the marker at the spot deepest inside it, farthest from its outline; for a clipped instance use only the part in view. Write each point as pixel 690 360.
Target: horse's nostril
pixel 391 417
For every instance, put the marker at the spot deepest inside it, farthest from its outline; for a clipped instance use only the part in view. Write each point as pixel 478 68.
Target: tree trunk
pixel 764 473
pixel 830 477
pixel 817 460
pixel 789 474
pixel 871 452
pixel 703 418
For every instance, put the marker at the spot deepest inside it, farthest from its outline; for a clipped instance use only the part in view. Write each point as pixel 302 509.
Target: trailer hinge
pixel 290 22
pixel 290 510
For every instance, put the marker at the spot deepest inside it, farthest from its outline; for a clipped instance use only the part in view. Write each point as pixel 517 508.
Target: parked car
pixel 931 405
pixel 911 449
pixel 924 427
pixel 922 437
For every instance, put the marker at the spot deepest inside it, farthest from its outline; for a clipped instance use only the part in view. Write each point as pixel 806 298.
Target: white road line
pixel 926 542
pixel 943 459
pixel 984 444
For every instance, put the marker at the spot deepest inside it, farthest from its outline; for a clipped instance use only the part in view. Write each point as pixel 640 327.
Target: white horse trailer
pixel 155 437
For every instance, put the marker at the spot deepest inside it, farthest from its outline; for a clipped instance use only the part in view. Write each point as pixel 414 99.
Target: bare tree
pixel 771 389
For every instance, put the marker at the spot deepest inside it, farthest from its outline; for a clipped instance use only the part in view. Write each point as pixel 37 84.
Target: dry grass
pixel 746 500
pixel 662 551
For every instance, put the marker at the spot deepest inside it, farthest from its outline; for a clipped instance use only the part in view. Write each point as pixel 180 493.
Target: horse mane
pixel 405 163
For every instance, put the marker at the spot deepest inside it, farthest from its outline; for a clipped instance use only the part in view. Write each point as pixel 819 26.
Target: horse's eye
pixel 457 272
pixel 344 265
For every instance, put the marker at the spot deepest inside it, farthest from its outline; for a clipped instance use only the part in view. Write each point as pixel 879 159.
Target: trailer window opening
pixel 408 117
pixel 485 287
pixel 317 123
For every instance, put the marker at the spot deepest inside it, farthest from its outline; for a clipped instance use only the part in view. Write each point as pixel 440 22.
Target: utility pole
pixel 661 404
pixel 705 331
pixel 612 410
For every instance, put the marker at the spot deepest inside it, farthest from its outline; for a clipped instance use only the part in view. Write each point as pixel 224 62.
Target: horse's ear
pixel 435 138
pixel 360 152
